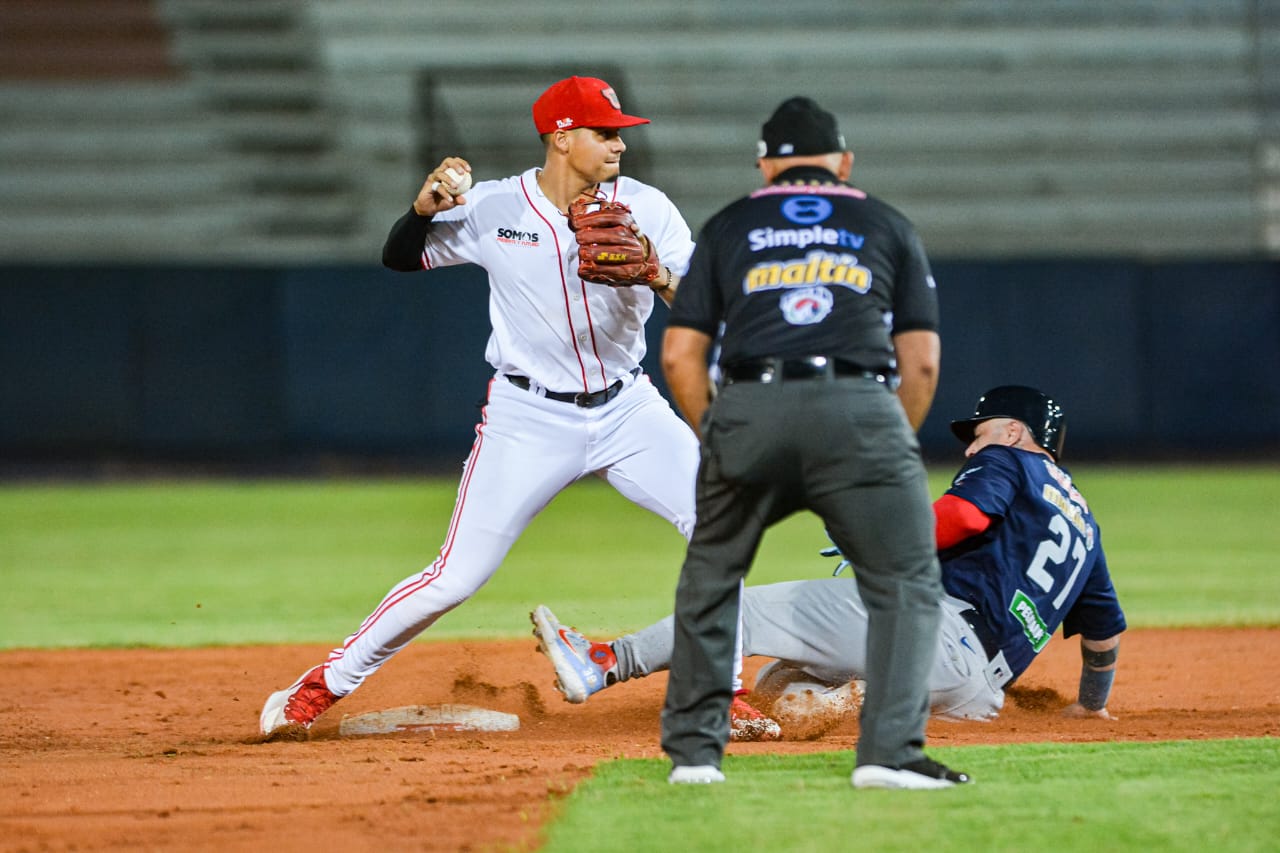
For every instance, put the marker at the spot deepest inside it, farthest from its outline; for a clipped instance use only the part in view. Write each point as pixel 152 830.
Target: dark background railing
pixel 355 365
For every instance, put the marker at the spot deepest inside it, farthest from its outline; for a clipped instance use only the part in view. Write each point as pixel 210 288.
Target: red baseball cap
pixel 580 102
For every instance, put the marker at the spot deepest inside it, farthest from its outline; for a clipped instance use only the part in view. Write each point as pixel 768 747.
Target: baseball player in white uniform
pixel 567 398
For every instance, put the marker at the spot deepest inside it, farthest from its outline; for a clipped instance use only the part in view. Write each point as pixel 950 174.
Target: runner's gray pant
pixel 819 626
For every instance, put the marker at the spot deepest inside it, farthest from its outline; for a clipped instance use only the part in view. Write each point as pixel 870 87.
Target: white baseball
pixel 460 180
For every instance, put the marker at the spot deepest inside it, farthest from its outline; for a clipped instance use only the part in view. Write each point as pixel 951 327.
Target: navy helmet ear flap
pixel 1044 417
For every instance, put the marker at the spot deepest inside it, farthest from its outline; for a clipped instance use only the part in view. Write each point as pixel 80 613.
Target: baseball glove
pixel 610 249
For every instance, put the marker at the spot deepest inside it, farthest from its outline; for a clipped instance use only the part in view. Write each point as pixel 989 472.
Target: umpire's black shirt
pixel 808 266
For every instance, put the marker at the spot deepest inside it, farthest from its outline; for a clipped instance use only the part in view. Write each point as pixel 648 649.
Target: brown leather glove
pixel 611 249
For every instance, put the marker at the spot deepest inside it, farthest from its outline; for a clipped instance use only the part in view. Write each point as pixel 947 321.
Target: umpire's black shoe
pixel 921 774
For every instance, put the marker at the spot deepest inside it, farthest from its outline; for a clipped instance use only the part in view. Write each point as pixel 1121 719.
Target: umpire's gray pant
pixel 843 449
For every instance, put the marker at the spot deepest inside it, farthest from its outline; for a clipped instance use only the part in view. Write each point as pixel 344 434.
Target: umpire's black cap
pixel 799 128
pixel 1034 408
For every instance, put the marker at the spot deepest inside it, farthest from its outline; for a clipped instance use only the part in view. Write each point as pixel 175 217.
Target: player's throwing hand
pixel 444 188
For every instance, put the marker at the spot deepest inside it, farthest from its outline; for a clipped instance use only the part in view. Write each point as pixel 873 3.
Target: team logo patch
pixel 611 97
pixel 806 209
pixel 806 306
pixel 1032 625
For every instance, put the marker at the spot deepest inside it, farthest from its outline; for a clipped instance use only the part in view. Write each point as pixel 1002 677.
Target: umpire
pixel 828 307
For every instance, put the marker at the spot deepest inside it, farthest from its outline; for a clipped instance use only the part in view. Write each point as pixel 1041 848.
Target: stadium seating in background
pixel 288 131
pixel 83 40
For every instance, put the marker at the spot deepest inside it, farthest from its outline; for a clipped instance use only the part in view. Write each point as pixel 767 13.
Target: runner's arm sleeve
pixel 955 520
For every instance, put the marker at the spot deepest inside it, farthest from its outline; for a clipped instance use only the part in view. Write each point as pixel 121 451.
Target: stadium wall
pixel 270 365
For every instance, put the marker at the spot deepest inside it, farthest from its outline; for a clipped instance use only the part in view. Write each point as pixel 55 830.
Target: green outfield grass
pixel 197 563
pixel 1063 798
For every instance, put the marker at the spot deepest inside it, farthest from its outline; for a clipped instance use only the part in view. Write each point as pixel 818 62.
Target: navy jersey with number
pixel 1040 563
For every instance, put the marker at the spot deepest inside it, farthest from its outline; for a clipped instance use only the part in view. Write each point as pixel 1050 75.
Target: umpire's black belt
pixel 974 620
pixel 809 367
pixel 587 400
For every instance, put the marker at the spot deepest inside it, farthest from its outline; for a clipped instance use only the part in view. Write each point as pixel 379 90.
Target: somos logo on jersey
pixel 510 236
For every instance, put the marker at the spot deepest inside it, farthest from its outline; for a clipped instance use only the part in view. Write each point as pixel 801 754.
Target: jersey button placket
pixel 579 327
pixel 577 308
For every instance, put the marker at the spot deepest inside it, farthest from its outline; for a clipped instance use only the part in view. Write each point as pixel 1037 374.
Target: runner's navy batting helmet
pixel 1046 419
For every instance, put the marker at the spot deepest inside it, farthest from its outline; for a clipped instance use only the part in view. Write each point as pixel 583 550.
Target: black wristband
pixel 1100 660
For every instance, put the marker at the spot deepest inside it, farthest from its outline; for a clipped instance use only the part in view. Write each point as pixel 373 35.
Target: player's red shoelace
pixel 310 700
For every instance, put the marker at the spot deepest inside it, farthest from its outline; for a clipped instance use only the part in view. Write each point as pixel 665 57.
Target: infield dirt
pixel 157 749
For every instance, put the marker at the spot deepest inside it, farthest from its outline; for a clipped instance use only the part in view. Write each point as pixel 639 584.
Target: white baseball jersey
pixel 566 334
pixel 562 335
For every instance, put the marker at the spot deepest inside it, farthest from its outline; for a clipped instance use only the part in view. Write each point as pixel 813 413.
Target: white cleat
pixel 695 774
pixel 923 774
